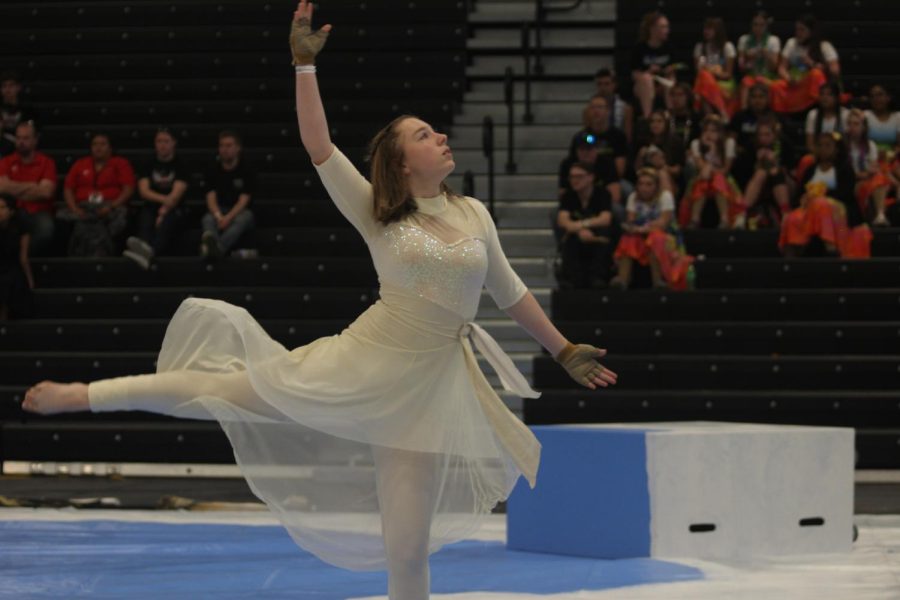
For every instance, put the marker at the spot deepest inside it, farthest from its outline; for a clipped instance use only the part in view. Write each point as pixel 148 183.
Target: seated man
pixel 96 191
pixel 29 176
pixel 229 187
pixel 586 149
pixel 162 185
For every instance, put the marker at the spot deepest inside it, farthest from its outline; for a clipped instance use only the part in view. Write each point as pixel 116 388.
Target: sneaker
pixel 617 283
pixel 141 260
pixel 136 244
pixel 209 246
pixel 740 222
pixel 881 221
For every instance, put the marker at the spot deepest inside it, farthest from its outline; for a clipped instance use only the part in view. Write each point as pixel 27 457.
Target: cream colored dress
pixel 312 427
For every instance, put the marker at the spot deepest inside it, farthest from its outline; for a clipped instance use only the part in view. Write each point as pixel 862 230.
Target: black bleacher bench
pixel 239 86
pixel 693 11
pixel 764 242
pixel 86 67
pixel 716 371
pixel 797 273
pixel 218 38
pixel 189 13
pixel 322 271
pixel 146 302
pixel 735 337
pixel 722 305
pixel 88 336
pixel 851 408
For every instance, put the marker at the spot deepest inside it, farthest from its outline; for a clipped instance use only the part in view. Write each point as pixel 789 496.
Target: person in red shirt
pixel 29 176
pixel 97 189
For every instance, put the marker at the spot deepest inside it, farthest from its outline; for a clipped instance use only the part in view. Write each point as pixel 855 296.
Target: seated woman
pixel 585 220
pixel 651 237
pixel 883 122
pixel 742 126
pixel 829 116
pixel 714 59
pixel 651 61
pixel 872 184
pixel 764 177
pixel 711 156
pixel 662 151
pixel 807 62
pixel 828 211
pixel 758 56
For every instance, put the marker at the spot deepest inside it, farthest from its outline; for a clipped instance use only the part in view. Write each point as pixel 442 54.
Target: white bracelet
pixel 305 68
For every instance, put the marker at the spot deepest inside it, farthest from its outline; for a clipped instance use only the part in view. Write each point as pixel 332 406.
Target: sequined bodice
pixel 449 274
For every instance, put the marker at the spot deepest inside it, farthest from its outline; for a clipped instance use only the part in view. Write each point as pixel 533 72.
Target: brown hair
pixel 720 36
pixel 652 174
pixel 647 22
pixel 390 194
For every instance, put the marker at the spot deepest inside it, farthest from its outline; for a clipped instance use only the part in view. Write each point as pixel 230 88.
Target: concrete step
pixel 550 91
pixel 532 214
pixel 527 161
pixel 525 137
pixel 543 112
pixel 528 243
pixel 487 308
pixel 511 187
pixel 504 11
pixel 599 38
pixel 565 65
pixel 534 271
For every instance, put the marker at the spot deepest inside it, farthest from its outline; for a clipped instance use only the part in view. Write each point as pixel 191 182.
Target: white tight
pixel 406 481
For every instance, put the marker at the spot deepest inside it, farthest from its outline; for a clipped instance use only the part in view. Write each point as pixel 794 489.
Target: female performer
pixel 432 446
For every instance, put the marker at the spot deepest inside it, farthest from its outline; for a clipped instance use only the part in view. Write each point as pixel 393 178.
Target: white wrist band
pixel 305 68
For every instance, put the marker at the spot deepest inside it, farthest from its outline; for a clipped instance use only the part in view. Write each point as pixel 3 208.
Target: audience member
pixel 621 115
pixel 650 237
pixel 97 189
pixel 12 111
pixel 762 173
pixel 827 210
pixel 743 124
pixel 828 116
pixel 662 151
pixel 807 62
pixel 229 187
pixel 714 59
pixel 585 221
pixel 162 185
pixel 652 59
pixel 712 155
pixel 609 140
pixel 758 56
pixel 684 123
pixel 587 150
pixel 884 123
pixel 29 176
pixel 872 184
pixel 16 278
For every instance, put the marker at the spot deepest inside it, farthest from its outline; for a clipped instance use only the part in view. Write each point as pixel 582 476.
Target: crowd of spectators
pixel 753 135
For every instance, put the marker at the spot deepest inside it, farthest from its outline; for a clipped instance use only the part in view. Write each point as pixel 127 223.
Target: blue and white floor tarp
pixel 49 553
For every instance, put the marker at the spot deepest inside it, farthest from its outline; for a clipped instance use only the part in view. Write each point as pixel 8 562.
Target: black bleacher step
pixel 764 337
pixel 176 441
pixel 725 305
pixel 735 372
pixel 186 13
pixel 797 273
pixel 137 335
pixel 31 367
pixel 292 241
pixel 859 408
pixel 274 64
pixel 240 88
pixel 188 272
pixel 764 242
pixel 263 303
pixel 690 11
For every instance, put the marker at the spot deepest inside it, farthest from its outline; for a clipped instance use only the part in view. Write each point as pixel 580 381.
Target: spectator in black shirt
pixel 661 150
pixel 610 141
pixel 651 57
pixel 585 226
pixel 229 187
pixel 684 123
pixel 12 112
pixel 587 150
pixel 162 185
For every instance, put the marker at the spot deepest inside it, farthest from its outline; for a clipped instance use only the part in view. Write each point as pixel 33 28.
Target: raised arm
pixel 305 45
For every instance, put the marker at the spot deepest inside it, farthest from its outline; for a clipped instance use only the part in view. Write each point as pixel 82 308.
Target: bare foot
pixel 49 397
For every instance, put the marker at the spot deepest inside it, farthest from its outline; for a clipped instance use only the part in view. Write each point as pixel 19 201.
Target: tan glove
pixel 580 361
pixel 305 44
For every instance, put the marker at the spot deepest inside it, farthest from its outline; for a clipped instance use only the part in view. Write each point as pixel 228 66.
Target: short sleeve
pixel 698 50
pixel 502 283
pixel 180 170
pixel 125 172
pixel 730 149
pixel 828 51
pixel 773 44
pixel 811 122
pixel 666 201
pixel 631 203
pixel 72 176
pixel 4 166
pixel 250 180
pixel 788 48
pixel 872 158
pixel 742 43
pixel 637 58
pixel 350 192
pixel 49 170
pixel 730 52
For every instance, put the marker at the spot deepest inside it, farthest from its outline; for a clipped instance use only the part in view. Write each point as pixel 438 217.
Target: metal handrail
pixel 509 98
pixel 487 147
pixel 469 184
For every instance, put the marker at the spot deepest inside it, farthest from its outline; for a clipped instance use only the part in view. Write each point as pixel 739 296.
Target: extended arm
pixel 310 113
